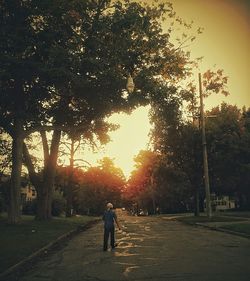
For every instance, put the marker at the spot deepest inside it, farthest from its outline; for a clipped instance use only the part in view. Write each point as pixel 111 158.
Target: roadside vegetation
pixel 239 227
pixel 19 241
pixel 233 221
pixel 204 219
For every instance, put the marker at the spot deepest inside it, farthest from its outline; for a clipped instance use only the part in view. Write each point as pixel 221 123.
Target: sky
pixel 225 43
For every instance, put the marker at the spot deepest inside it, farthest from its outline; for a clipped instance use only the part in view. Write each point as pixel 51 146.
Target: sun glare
pixel 228 50
pixel 126 142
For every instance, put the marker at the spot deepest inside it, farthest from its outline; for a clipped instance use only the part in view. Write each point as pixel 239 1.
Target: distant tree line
pixel 89 190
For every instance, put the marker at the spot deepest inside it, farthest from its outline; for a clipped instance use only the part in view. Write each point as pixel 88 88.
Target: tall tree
pixel 65 64
pixel 141 186
pixel 228 142
pixel 177 137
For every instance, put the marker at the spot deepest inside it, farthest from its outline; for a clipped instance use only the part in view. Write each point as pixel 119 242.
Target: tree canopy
pixel 65 65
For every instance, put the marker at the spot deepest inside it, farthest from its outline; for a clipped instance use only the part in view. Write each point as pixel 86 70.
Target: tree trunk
pixel 69 193
pixel 44 198
pixel 14 211
pixel 153 203
pixel 197 201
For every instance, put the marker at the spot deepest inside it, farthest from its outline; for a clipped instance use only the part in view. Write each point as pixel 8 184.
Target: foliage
pixel 228 137
pixel 4 193
pixel 93 188
pixel 174 189
pixel 215 82
pixel 98 186
pixel 76 53
pixel 74 58
pixel 140 189
pixel 156 183
pixel 179 143
pixel 29 207
pixel 5 153
pixel 2 204
pixel 178 139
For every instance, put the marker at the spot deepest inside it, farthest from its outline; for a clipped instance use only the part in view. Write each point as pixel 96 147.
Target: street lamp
pixel 130 86
pixel 204 149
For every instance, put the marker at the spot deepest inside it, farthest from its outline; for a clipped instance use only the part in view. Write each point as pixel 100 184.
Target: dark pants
pixel 107 231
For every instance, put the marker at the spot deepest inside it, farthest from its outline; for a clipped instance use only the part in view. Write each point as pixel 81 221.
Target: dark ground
pixel 149 248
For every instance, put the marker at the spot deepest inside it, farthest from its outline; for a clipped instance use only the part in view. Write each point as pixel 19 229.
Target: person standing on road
pixel 109 217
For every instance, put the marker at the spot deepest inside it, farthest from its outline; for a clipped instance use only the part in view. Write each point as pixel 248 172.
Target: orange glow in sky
pixel 225 43
pixel 127 141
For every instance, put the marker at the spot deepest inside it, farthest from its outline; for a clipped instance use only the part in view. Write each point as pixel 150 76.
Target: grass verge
pixel 204 219
pixel 238 227
pixel 235 224
pixel 242 214
pixel 19 241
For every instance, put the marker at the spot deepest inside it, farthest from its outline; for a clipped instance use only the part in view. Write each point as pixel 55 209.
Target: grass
pixel 243 214
pixel 20 241
pixel 204 219
pixel 239 227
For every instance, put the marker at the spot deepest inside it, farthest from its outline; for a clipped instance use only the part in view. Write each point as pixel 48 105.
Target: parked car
pixel 142 213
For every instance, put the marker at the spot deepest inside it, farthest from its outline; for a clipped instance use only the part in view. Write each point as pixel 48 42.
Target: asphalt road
pixel 149 248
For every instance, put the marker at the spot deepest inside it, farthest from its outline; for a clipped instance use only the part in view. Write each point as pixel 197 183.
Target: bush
pixel 2 204
pixel 58 204
pixel 29 207
pixel 4 198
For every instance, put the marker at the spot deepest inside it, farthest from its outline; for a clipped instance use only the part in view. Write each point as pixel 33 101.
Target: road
pixel 149 249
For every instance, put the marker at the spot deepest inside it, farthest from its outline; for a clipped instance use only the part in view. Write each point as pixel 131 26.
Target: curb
pixel 44 251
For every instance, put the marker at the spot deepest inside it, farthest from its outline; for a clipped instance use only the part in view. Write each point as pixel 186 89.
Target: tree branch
pixel 28 163
pixel 45 147
pixel 77 146
pixel 44 128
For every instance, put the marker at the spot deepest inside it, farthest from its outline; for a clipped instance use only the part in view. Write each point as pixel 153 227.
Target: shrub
pixel 29 207
pixel 2 204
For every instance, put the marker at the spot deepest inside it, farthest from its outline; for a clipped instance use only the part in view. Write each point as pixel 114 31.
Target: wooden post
pixel 204 148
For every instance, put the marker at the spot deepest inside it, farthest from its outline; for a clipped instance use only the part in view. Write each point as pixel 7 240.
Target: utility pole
pixel 204 149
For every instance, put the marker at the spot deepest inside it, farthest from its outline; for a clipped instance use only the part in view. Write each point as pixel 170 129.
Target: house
pixel 221 203
pixel 28 193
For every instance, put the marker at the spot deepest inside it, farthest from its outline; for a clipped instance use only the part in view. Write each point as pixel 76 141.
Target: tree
pixel 176 137
pixel 228 142
pixel 5 154
pixel 98 186
pixel 73 143
pixel 29 38
pixel 73 58
pixel 141 187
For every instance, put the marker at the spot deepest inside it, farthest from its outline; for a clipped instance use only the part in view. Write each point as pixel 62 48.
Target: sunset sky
pixel 225 43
